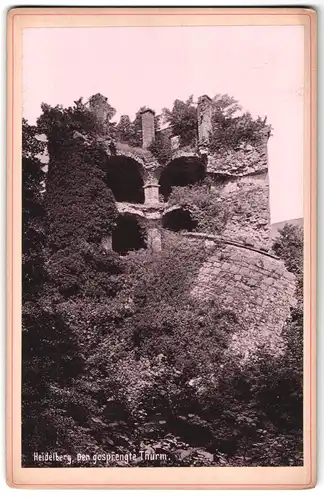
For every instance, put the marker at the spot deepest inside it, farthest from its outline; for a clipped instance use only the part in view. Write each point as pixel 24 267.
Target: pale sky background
pixel 262 67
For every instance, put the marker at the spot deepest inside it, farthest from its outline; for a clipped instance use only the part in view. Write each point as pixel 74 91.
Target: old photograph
pixel 162 242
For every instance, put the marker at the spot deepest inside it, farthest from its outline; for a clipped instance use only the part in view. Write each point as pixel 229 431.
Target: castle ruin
pixel 257 285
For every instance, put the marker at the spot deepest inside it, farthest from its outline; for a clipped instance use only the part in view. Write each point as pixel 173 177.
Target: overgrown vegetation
pixel 232 129
pixel 117 356
pixel 205 207
pixel 129 131
pixel 289 246
pixel 161 149
pixel 183 121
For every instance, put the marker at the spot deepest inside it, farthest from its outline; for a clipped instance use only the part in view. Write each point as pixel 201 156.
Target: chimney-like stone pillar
pixel 151 191
pixel 148 127
pixel 205 112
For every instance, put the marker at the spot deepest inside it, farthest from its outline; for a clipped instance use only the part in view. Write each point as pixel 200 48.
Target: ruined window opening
pixel 181 172
pixel 128 235
pixel 125 180
pixel 179 220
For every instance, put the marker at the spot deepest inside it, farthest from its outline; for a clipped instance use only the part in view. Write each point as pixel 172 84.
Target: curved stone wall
pixel 254 285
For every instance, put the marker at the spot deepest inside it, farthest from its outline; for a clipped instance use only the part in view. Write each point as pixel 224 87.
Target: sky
pixel 261 66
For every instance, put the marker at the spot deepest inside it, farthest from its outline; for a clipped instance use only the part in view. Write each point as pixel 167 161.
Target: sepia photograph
pixel 162 307
pixel 162 272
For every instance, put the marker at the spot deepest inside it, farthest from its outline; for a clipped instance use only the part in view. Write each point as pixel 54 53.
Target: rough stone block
pixel 269 281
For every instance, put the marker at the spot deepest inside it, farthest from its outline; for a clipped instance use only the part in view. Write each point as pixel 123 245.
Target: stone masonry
pixel 253 284
pixel 239 269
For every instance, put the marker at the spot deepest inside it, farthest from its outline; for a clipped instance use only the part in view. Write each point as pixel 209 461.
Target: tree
pixel 102 112
pixel 33 273
pixel 183 120
pixel 289 246
pixel 32 209
pixel 79 211
pixel 161 148
pixel 231 128
pixel 124 129
pixel 226 105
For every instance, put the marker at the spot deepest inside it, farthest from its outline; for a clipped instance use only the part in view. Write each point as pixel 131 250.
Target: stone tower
pixel 239 268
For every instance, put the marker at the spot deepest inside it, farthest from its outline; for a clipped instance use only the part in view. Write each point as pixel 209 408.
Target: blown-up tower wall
pixel 239 268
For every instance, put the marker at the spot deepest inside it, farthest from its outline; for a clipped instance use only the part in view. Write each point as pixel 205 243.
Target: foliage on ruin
pixel 80 207
pixel 33 274
pixel 131 131
pixel 161 148
pixel 183 121
pixel 124 130
pixel 224 414
pixel 59 124
pixel 232 129
pixel 289 246
pixel 49 349
pixel 206 208
pixel 79 210
pixel 33 235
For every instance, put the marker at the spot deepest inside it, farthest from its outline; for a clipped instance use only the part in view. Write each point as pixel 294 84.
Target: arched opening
pixel 179 220
pixel 128 235
pixel 181 172
pixel 124 179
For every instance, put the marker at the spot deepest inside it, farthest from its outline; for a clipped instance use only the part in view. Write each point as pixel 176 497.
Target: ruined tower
pixel 240 268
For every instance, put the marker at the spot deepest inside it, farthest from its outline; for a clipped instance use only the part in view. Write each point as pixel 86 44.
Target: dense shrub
pixel 178 385
pixel 206 207
pixel 79 211
pixel 124 129
pixel 50 357
pixel 289 246
pixel 33 274
pixel 33 237
pixel 161 148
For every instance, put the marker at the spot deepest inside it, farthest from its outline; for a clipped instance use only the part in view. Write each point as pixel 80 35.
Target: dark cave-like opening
pixel 181 172
pixel 179 220
pixel 124 179
pixel 128 235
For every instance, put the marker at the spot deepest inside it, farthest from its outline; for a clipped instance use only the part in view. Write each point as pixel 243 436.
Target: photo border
pixel 153 477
